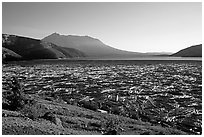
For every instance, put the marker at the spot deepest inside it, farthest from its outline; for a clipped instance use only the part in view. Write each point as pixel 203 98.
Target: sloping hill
pixel 90 46
pixel 30 48
pixel 8 55
pixel 73 120
pixel 193 51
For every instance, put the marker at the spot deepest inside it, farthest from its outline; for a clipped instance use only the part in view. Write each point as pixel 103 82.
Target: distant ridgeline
pixel 57 46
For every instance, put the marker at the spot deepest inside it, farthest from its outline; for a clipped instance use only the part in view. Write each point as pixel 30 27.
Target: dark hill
pixel 90 46
pixel 30 48
pixel 193 51
pixel 8 55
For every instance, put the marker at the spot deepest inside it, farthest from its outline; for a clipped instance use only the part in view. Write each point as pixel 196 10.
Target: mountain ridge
pixel 56 46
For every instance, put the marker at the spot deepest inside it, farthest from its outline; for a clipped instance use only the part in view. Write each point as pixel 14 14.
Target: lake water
pixel 174 84
pixel 148 58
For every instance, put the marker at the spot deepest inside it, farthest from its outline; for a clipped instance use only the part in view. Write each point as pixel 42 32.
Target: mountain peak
pixel 55 33
pixel 74 36
pixel 86 37
pixel 92 47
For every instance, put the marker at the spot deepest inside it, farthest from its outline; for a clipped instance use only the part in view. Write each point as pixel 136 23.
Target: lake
pixel 166 92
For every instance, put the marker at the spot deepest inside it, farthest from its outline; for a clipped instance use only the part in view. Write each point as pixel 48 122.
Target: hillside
pixel 90 46
pixel 31 114
pixel 74 120
pixel 193 51
pixel 8 55
pixel 30 48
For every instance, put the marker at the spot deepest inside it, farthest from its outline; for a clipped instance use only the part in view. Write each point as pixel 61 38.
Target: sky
pixel 132 26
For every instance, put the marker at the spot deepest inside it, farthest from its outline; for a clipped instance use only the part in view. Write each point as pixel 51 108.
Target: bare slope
pixel 30 48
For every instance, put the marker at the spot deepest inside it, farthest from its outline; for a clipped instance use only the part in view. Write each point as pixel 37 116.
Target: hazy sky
pixel 140 27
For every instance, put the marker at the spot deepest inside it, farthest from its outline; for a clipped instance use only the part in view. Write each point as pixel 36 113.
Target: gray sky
pixel 140 27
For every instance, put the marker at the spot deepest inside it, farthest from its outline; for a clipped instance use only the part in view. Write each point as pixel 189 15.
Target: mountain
pixel 193 51
pixel 90 46
pixel 159 53
pixel 29 48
